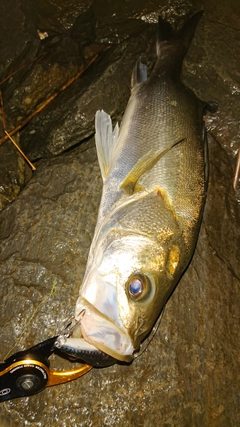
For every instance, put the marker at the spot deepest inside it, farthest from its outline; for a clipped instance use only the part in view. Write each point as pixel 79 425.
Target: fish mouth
pixel 95 338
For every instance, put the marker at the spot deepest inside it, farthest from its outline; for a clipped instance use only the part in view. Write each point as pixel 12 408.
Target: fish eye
pixel 138 287
pixel 135 288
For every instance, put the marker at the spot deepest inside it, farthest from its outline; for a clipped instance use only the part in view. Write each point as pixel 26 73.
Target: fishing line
pixel 149 339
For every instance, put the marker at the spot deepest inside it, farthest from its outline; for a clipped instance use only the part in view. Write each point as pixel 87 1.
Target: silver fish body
pixel 154 188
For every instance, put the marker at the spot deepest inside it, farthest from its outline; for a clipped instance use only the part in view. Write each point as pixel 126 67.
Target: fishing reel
pixel 28 372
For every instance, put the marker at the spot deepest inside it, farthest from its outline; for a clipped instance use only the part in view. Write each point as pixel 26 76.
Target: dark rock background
pixel 189 374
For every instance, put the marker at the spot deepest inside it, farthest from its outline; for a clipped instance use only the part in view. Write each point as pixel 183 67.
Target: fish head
pixel 128 282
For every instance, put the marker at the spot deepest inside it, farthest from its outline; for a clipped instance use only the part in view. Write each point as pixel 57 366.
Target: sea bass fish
pixel 154 186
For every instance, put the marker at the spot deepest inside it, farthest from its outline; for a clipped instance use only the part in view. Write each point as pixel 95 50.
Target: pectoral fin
pixel 144 165
pixel 106 141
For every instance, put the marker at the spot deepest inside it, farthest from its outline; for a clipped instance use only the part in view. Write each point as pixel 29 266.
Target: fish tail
pixel 188 30
pixel 165 33
pixel 172 45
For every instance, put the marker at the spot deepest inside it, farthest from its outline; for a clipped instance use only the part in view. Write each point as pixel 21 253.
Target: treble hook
pixel 72 324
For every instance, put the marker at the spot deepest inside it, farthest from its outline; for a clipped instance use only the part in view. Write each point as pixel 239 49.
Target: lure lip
pixel 79 349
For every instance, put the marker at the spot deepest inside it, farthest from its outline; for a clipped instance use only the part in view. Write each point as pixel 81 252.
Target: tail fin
pixel 173 44
pixel 188 30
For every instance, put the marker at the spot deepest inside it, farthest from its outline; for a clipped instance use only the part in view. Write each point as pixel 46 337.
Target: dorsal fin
pixel 139 73
pixel 106 141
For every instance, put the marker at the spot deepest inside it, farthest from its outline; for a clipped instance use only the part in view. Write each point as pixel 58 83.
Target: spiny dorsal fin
pixel 139 73
pixel 106 140
pixel 145 164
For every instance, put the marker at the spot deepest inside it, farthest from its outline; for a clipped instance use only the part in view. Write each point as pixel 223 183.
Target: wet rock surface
pixel 85 96
pixel 188 376
pixel 13 170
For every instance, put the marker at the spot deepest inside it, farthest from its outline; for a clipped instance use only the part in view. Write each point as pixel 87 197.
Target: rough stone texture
pixel 189 374
pixel 61 54
pixel 70 118
pixel 17 38
pixel 214 60
pixel 12 173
